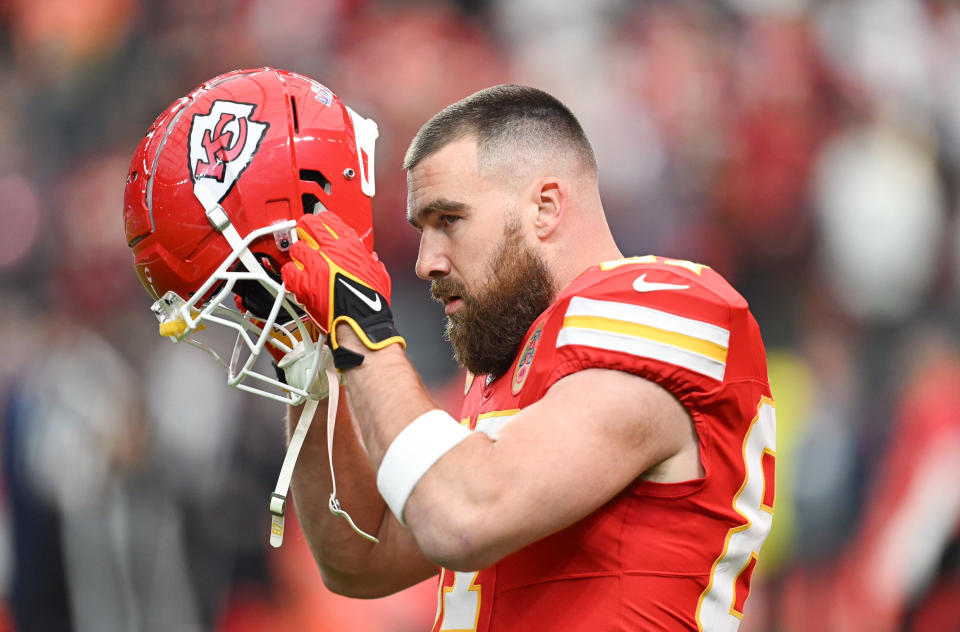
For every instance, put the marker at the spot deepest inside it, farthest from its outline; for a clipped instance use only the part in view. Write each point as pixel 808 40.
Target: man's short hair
pixel 509 122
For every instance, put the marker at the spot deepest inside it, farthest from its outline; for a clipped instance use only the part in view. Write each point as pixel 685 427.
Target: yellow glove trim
pixel 369 344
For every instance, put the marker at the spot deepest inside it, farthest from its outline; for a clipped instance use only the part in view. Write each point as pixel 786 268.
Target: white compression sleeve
pixel 412 453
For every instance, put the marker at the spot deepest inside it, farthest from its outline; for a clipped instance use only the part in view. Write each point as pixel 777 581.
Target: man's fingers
pixel 304 254
pixel 317 234
pixel 314 231
pixel 296 262
pixel 326 223
pixel 289 273
pixel 307 238
pixel 307 275
pixel 317 228
pixel 301 266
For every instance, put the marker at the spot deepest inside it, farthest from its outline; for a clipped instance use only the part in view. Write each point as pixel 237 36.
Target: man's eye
pixel 446 220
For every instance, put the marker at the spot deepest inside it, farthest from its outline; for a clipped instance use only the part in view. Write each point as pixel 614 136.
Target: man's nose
pixel 432 262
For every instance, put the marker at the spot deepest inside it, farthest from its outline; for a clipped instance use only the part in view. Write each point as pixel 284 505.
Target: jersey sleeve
pixel 667 323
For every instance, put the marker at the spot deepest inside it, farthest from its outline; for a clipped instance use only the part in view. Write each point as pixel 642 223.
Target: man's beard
pixel 487 330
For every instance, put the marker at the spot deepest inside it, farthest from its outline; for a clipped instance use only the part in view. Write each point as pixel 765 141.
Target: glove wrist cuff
pixel 374 336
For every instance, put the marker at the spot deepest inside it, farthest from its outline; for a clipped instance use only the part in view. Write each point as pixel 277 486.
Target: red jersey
pixel 658 556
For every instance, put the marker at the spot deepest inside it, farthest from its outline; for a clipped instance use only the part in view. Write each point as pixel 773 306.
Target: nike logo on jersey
pixel 374 305
pixel 641 284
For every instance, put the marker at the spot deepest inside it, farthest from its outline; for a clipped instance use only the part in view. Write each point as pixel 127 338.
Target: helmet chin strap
pixel 219 219
pixel 278 500
pixel 334 503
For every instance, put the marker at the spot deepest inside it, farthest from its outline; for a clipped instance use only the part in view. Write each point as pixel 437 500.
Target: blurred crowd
pixel 809 150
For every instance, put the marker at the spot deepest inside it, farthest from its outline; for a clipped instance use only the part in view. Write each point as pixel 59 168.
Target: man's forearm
pixel 386 394
pixel 350 564
pixel 332 540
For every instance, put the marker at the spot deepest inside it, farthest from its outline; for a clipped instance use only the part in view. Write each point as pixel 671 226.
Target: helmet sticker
pixel 222 144
pixel 321 93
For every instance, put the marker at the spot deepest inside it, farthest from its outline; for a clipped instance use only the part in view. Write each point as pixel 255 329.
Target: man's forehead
pixel 455 159
pixel 443 179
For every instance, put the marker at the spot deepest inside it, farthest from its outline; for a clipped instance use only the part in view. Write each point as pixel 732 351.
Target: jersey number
pixel 721 604
pixel 461 603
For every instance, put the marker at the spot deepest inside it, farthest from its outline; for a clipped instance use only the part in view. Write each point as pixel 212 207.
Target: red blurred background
pixel 809 150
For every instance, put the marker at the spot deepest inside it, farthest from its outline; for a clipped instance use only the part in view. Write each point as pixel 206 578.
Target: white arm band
pixel 412 453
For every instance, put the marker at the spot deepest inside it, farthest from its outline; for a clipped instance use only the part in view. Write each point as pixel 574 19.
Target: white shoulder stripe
pixel 642 347
pixel 580 306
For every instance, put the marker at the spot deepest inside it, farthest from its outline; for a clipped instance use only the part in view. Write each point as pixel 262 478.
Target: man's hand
pixel 337 279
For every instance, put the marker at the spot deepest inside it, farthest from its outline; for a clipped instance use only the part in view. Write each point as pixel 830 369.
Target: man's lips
pixel 452 304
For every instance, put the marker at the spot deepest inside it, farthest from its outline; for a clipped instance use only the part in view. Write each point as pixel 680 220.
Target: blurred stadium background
pixel 809 150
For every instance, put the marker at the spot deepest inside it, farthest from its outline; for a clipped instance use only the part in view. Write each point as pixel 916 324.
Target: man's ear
pixel 551 197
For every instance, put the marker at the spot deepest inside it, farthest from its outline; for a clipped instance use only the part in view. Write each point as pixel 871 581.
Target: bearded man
pixel 613 466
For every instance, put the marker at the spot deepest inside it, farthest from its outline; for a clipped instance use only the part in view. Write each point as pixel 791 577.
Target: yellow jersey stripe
pixel 644 348
pixel 641 315
pixel 690 343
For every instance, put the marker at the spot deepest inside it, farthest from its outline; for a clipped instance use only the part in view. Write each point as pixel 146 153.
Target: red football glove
pixel 337 279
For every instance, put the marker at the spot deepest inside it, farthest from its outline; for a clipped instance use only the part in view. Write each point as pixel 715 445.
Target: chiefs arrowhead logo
pixel 526 359
pixel 222 144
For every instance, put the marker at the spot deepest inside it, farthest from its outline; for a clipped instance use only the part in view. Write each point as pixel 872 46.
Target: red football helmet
pixel 212 197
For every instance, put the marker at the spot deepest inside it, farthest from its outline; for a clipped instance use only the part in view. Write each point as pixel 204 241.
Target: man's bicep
pixel 556 461
pixel 591 435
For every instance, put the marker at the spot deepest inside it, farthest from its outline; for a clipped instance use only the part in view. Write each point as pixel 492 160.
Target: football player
pixel 613 465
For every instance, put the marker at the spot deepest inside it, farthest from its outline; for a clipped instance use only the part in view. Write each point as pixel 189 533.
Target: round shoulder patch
pixel 526 359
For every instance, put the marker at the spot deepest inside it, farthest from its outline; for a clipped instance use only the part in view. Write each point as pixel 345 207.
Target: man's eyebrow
pixel 441 205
